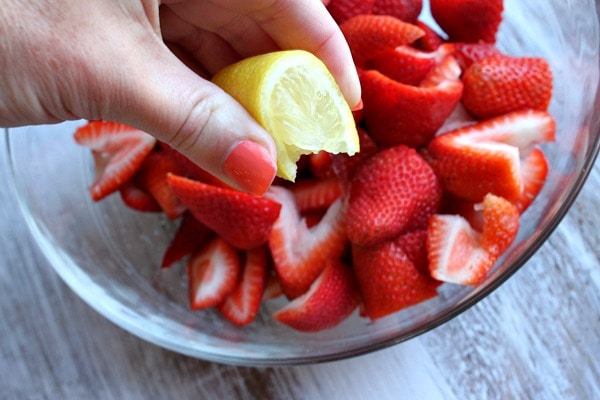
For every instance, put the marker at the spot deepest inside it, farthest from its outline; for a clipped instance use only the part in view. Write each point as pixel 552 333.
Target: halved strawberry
pixel 392 192
pixel 316 194
pixel 242 219
pixel 388 280
pixel 119 151
pixel 299 253
pixel 241 306
pixel 534 170
pixel 396 113
pixel 212 274
pixel 468 20
pixel 486 157
pixel 189 237
pixel 406 10
pixel 403 64
pixel 502 84
pixel 342 10
pixel 137 198
pixel 446 69
pixel 469 53
pixel 152 177
pixel 331 298
pixel 368 35
pixel 431 41
pixel 500 224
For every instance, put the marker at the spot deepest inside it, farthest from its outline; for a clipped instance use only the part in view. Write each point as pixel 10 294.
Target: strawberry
pixel 446 69
pixel 413 244
pixel 368 35
pixel 137 198
pixel 331 298
pixel 299 253
pixel 344 166
pixel 403 64
pixel 241 306
pixel 119 151
pixel 242 219
pixel 406 10
pixel 396 113
pixel 430 41
pixel 388 280
pixel 500 224
pixel 392 192
pixel 320 164
pixel 534 170
pixel 501 84
pixel 212 274
pixel 342 10
pixel 469 53
pixel 468 20
pixel 152 177
pixel 486 157
pixel 315 195
pixel 190 236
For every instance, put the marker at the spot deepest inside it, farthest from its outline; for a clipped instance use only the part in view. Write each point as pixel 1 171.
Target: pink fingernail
pixel 250 166
pixel 358 106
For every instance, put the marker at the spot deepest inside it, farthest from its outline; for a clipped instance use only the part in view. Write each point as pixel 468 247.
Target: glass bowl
pixel 110 255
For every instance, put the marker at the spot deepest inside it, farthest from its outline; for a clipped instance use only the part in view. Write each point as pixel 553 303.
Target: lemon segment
pixel 293 95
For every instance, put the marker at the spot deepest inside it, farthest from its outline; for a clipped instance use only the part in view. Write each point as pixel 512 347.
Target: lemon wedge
pixel 292 94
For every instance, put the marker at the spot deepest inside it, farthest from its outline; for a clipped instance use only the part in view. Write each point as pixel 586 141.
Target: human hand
pixel 145 63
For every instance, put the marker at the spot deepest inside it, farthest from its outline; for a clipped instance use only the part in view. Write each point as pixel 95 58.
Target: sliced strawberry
pixel 241 219
pixel 388 281
pixel 403 64
pixel 502 84
pixel 486 157
pixel 315 195
pixel 406 10
pixel 368 35
pixel 152 177
pixel 469 53
pixel 396 113
pixel 446 70
pixel 137 198
pixel 299 253
pixel 342 10
pixel 468 20
pixel 212 273
pixel 454 251
pixel 534 170
pixel 242 305
pixel 393 192
pixel 119 151
pixel 431 41
pixel 500 224
pixel 189 237
pixel 331 298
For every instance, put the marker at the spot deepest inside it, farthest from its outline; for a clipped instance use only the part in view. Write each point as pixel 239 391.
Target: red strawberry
pixel 500 224
pixel 431 41
pixel 534 170
pixel 393 192
pixel 315 195
pixel 137 198
pixel 468 20
pixel 189 237
pixel 403 64
pixel 241 219
pixel 212 273
pixel 469 53
pixel 331 299
pixel 119 151
pixel 413 244
pixel 486 157
pixel 368 35
pixel 345 166
pixel 320 164
pixel 396 113
pixel 406 10
pixel 342 10
pixel 501 84
pixel 152 177
pixel 446 70
pixel 299 253
pixel 388 281
pixel 241 306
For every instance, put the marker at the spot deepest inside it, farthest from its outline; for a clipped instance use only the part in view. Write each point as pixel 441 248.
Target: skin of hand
pixel 146 63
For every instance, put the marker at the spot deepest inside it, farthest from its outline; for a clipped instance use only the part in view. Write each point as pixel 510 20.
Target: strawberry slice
pixel 119 151
pixel 368 35
pixel 316 194
pixel 342 10
pixel 500 224
pixel 242 305
pixel 393 192
pixel 388 280
pixel 486 157
pixel 468 20
pixel 406 10
pixel 189 237
pixel 152 177
pixel 331 299
pixel 502 84
pixel 403 64
pixel 137 198
pixel 299 253
pixel 242 219
pixel 212 274
pixel 534 170
pixel 396 113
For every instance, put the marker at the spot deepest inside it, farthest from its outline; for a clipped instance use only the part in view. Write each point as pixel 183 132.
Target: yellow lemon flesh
pixel 292 95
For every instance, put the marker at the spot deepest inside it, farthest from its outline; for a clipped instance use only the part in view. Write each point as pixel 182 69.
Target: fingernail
pixel 358 106
pixel 250 166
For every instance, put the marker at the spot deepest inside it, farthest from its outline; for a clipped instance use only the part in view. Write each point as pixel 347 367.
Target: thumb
pixel 177 106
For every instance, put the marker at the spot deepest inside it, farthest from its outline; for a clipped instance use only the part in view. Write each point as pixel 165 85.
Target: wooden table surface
pixel 537 336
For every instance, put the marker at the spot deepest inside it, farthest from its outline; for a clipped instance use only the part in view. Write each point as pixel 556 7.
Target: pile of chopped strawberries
pixel 450 158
